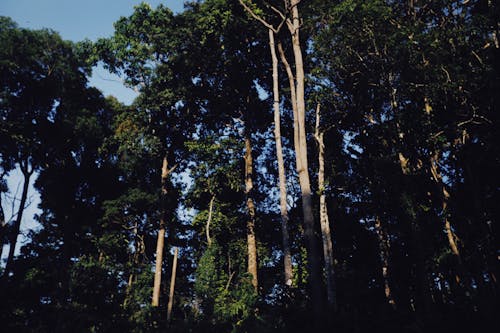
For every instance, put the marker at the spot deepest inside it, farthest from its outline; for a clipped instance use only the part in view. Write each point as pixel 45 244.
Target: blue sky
pixel 74 20
pixel 77 20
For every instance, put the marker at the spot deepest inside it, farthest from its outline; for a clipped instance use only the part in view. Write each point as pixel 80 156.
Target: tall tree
pixel 287 258
pixel 297 86
pixel 323 213
pixel 35 77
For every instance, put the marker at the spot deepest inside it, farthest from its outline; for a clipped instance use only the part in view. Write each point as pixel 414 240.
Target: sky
pixel 77 20
pixel 74 20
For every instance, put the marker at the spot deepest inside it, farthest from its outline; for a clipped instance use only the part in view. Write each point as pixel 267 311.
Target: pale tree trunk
pixel 129 289
pixel 287 259
pixel 293 101
pixel 403 161
pixel 445 197
pixel 450 235
pixel 172 286
pixel 436 175
pixel 160 243
pixel 297 90
pixel 17 223
pixel 323 216
pixel 251 242
pixel 384 245
pixel 313 255
pixel 3 224
pixel 134 260
pixel 209 219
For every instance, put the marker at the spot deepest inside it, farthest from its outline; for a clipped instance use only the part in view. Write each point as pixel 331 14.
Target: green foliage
pixel 140 314
pixel 228 297
pixel 411 79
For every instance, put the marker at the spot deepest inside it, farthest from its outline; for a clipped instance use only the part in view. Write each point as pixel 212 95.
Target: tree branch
pixel 257 17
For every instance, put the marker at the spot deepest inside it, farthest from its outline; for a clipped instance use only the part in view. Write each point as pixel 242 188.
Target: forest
pixel 287 166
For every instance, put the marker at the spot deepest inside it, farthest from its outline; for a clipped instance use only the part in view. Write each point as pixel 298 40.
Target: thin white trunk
pixel 172 285
pixel 384 246
pixel 313 254
pixel 323 216
pixel 210 209
pixel 436 174
pixel 293 101
pixel 287 259
pixel 445 197
pixel 251 241
pixel 160 243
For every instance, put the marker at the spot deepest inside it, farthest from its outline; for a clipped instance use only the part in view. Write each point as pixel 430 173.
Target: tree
pixel 297 88
pixel 405 175
pixel 287 260
pixel 35 77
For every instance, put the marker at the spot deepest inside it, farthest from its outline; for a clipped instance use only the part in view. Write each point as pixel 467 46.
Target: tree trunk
pixel 210 209
pixel 436 175
pixel 17 223
pixel 323 216
pixel 293 100
pixel 251 242
pixel 450 235
pixel 135 260
pixel 298 104
pixel 444 204
pixel 160 243
pixel 172 285
pixel 313 255
pixel 384 245
pixel 287 259
pixel 3 225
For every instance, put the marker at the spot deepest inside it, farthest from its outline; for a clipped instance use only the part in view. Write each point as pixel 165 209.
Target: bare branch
pixel 229 280
pixel 257 17
pixel 447 74
pixel 277 11
pixel 172 168
pixel 472 120
pixel 477 57
pixel 211 206
pixel 14 201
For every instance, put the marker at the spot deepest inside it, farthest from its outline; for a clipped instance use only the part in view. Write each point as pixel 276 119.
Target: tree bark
pixel 313 255
pixel 135 259
pixel 323 216
pixel 287 258
pixel 298 104
pixel 384 245
pixel 17 223
pixel 3 224
pixel 172 286
pixel 210 209
pixel 293 100
pixel 160 243
pixel 444 204
pixel 251 242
